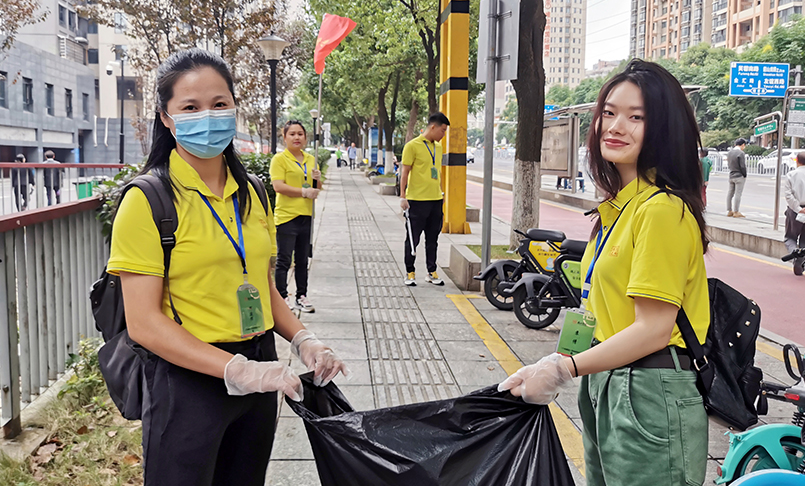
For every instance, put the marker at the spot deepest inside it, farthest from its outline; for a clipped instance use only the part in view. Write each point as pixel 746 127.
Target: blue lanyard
pixel 599 247
pixel 241 249
pixel 300 166
pixel 432 155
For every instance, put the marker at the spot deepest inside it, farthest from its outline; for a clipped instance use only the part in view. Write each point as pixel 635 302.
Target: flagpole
pixel 315 162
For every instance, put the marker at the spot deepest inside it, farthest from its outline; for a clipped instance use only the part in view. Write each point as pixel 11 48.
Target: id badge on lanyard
pixel 305 184
pixel 252 322
pixel 434 173
pixel 578 329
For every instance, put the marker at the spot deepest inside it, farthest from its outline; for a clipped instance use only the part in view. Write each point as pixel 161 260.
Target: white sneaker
pixel 291 302
pixel 434 279
pixel 304 305
pixel 410 279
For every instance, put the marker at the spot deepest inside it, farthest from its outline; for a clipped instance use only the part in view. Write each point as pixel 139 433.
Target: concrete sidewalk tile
pixel 532 351
pixel 465 351
pixel 349 348
pixel 443 314
pixel 349 315
pixel 515 331
pixel 477 373
pixel 290 440
pixel 336 330
pixel 717 443
pixel 455 332
pixel 292 473
pixel 359 373
pixel 569 403
pixel 361 397
pixel 345 302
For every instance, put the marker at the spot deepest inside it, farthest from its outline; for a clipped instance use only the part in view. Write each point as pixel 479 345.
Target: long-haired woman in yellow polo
pixel 643 418
pixel 212 374
pixel 297 182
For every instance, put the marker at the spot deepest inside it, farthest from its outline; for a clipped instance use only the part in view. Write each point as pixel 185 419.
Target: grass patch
pixel 91 445
pixel 497 252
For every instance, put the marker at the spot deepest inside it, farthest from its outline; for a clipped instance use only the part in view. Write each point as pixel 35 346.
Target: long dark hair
pixel 670 141
pixel 168 73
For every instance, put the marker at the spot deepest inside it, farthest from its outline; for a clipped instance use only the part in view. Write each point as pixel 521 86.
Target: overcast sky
pixel 607 31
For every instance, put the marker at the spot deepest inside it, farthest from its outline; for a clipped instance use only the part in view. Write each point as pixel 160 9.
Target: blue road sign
pixel 758 79
pixel 550 108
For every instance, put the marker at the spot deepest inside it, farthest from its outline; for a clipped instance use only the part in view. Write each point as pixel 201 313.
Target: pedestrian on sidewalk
pixel 707 168
pixel 794 191
pixel 352 154
pixel 212 374
pixel 53 179
pixel 736 160
pixel 421 196
pixel 338 156
pixel 20 180
pixel 638 398
pixel 293 174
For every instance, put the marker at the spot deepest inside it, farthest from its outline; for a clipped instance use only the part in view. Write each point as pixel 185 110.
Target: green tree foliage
pixel 15 14
pixel 508 130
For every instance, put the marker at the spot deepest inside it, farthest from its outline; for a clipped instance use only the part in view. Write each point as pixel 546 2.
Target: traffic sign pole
pixel 789 93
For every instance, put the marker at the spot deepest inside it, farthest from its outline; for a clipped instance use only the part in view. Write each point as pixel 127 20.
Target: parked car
pixel 768 164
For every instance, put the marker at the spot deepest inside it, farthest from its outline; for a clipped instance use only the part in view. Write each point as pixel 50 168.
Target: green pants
pixel 643 426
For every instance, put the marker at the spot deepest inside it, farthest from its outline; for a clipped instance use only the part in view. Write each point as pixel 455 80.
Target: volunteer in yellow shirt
pixel 297 182
pixel 421 196
pixel 211 370
pixel 638 398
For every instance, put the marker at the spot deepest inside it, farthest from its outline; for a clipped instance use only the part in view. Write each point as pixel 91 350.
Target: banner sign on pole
pixel 758 79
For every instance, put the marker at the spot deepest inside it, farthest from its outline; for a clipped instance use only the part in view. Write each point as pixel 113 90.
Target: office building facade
pixel 668 28
pixel 564 42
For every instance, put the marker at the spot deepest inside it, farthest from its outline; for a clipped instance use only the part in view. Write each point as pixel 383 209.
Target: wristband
pixel 574 367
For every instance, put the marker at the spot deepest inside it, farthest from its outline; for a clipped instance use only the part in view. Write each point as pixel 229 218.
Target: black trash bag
pixel 484 438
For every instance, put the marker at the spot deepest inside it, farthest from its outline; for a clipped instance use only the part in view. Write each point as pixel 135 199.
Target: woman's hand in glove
pixel 310 193
pixel 317 357
pixel 244 376
pixel 540 382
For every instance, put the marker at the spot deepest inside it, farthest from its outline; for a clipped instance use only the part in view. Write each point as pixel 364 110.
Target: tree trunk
pixel 391 120
pixel 530 90
pixel 409 131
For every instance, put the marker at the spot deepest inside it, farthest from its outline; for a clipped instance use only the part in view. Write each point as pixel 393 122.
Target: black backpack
pixel 728 378
pixel 123 361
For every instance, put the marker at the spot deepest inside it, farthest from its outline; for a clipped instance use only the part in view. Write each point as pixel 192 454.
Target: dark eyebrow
pixel 633 108
pixel 191 100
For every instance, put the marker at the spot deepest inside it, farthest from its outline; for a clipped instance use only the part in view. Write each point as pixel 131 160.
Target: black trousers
pixel 195 434
pixel 424 216
pixel 794 231
pixel 293 239
pixel 53 191
pixel 21 197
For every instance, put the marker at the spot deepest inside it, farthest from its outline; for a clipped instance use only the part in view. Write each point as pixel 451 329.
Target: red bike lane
pixel 774 287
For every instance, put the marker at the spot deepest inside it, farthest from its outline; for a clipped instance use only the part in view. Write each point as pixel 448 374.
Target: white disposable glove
pixel 404 204
pixel 310 193
pixel 539 383
pixel 316 174
pixel 244 376
pixel 317 357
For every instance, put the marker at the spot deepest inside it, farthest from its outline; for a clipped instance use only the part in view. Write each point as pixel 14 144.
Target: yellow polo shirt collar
pixel 188 178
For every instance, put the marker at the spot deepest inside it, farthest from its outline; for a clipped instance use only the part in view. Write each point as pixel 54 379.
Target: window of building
pixel 3 89
pixel 92 27
pixel 49 99
pixel 771 19
pixel 662 52
pixel 97 90
pixel 92 56
pixel 27 94
pixel 120 23
pixel 85 99
pixel 62 16
pixel 72 24
pixel 120 51
pixel 68 103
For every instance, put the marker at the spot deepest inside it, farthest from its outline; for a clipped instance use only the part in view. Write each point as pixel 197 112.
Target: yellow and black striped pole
pixel 454 67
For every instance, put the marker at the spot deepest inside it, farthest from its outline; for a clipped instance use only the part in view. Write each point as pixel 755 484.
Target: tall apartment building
pixel 564 42
pixel 668 28
pixel 737 23
pixel 57 95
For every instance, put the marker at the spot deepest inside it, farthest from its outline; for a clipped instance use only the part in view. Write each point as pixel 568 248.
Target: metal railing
pixel 755 164
pixel 52 183
pixel 49 258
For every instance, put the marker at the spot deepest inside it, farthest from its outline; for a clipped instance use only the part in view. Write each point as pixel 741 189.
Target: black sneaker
pixel 798 265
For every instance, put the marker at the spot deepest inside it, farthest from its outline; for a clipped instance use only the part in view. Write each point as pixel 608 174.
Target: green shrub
pixel 754 150
pixel 259 165
pixel 87 382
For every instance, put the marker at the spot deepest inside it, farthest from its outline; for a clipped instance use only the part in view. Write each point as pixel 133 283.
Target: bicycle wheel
pixel 529 313
pixel 491 288
pixel 758 459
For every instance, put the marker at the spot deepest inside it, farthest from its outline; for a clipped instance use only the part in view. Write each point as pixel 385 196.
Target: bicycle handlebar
pixel 794 254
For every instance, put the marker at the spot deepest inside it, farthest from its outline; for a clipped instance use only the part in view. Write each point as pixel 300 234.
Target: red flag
pixel 332 32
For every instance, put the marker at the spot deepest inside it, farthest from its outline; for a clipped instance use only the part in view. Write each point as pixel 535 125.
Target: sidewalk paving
pixel 406 345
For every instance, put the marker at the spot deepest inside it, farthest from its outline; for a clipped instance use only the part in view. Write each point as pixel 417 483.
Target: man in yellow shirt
pixel 421 195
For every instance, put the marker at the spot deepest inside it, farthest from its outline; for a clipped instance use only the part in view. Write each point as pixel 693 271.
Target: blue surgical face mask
pixel 205 134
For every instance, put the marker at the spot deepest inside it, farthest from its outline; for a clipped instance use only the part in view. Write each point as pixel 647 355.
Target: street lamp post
pixel 120 88
pixel 272 47
pixel 314 113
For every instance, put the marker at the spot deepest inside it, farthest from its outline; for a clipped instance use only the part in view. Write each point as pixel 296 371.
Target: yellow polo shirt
pixel 422 156
pixel 654 251
pixel 205 270
pixel 285 167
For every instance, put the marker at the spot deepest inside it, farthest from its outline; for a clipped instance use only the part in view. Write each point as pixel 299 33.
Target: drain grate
pixel 404 359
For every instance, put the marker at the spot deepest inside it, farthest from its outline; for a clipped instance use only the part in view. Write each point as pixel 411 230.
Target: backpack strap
pixel 165 219
pixel 700 363
pixel 260 188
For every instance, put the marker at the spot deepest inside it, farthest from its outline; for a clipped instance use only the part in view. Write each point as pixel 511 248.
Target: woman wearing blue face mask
pixel 212 378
